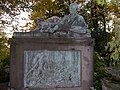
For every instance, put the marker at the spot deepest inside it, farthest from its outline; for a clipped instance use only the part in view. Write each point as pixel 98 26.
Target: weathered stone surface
pixel 46 69
pixel 112 83
pixel 115 73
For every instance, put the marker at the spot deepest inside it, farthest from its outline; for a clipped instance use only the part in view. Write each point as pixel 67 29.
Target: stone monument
pixel 73 25
pixel 57 55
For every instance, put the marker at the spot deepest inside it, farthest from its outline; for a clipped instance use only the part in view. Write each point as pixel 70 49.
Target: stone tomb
pixel 57 55
pixel 50 63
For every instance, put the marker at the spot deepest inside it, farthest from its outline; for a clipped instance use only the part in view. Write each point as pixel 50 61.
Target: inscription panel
pixel 47 69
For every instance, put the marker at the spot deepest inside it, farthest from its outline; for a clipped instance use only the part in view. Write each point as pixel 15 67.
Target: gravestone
pixel 57 55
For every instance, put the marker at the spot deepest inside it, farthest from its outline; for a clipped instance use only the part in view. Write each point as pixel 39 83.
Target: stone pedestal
pixel 50 62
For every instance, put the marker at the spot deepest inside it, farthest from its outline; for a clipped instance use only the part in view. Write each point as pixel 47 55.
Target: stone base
pixel 35 42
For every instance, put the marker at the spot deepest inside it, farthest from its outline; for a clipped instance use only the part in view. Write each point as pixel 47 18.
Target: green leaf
pixel 114 2
pixel 101 2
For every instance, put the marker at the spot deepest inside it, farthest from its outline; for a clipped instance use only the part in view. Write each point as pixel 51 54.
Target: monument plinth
pixel 53 58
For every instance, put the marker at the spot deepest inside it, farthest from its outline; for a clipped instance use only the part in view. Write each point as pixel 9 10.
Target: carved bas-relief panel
pixel 48 69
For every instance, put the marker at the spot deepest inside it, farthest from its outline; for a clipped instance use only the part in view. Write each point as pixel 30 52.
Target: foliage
pixel 4 57
pixel 99 71
pixel 114 45
pixel 102 13
pixel 47 8
pixel 9 9
pixel 13 7
pixel 3 46
pixel 4 76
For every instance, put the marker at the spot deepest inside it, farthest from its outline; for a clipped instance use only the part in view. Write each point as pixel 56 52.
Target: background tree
pixel 114 45
pixel 4 57
pixel 8 10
